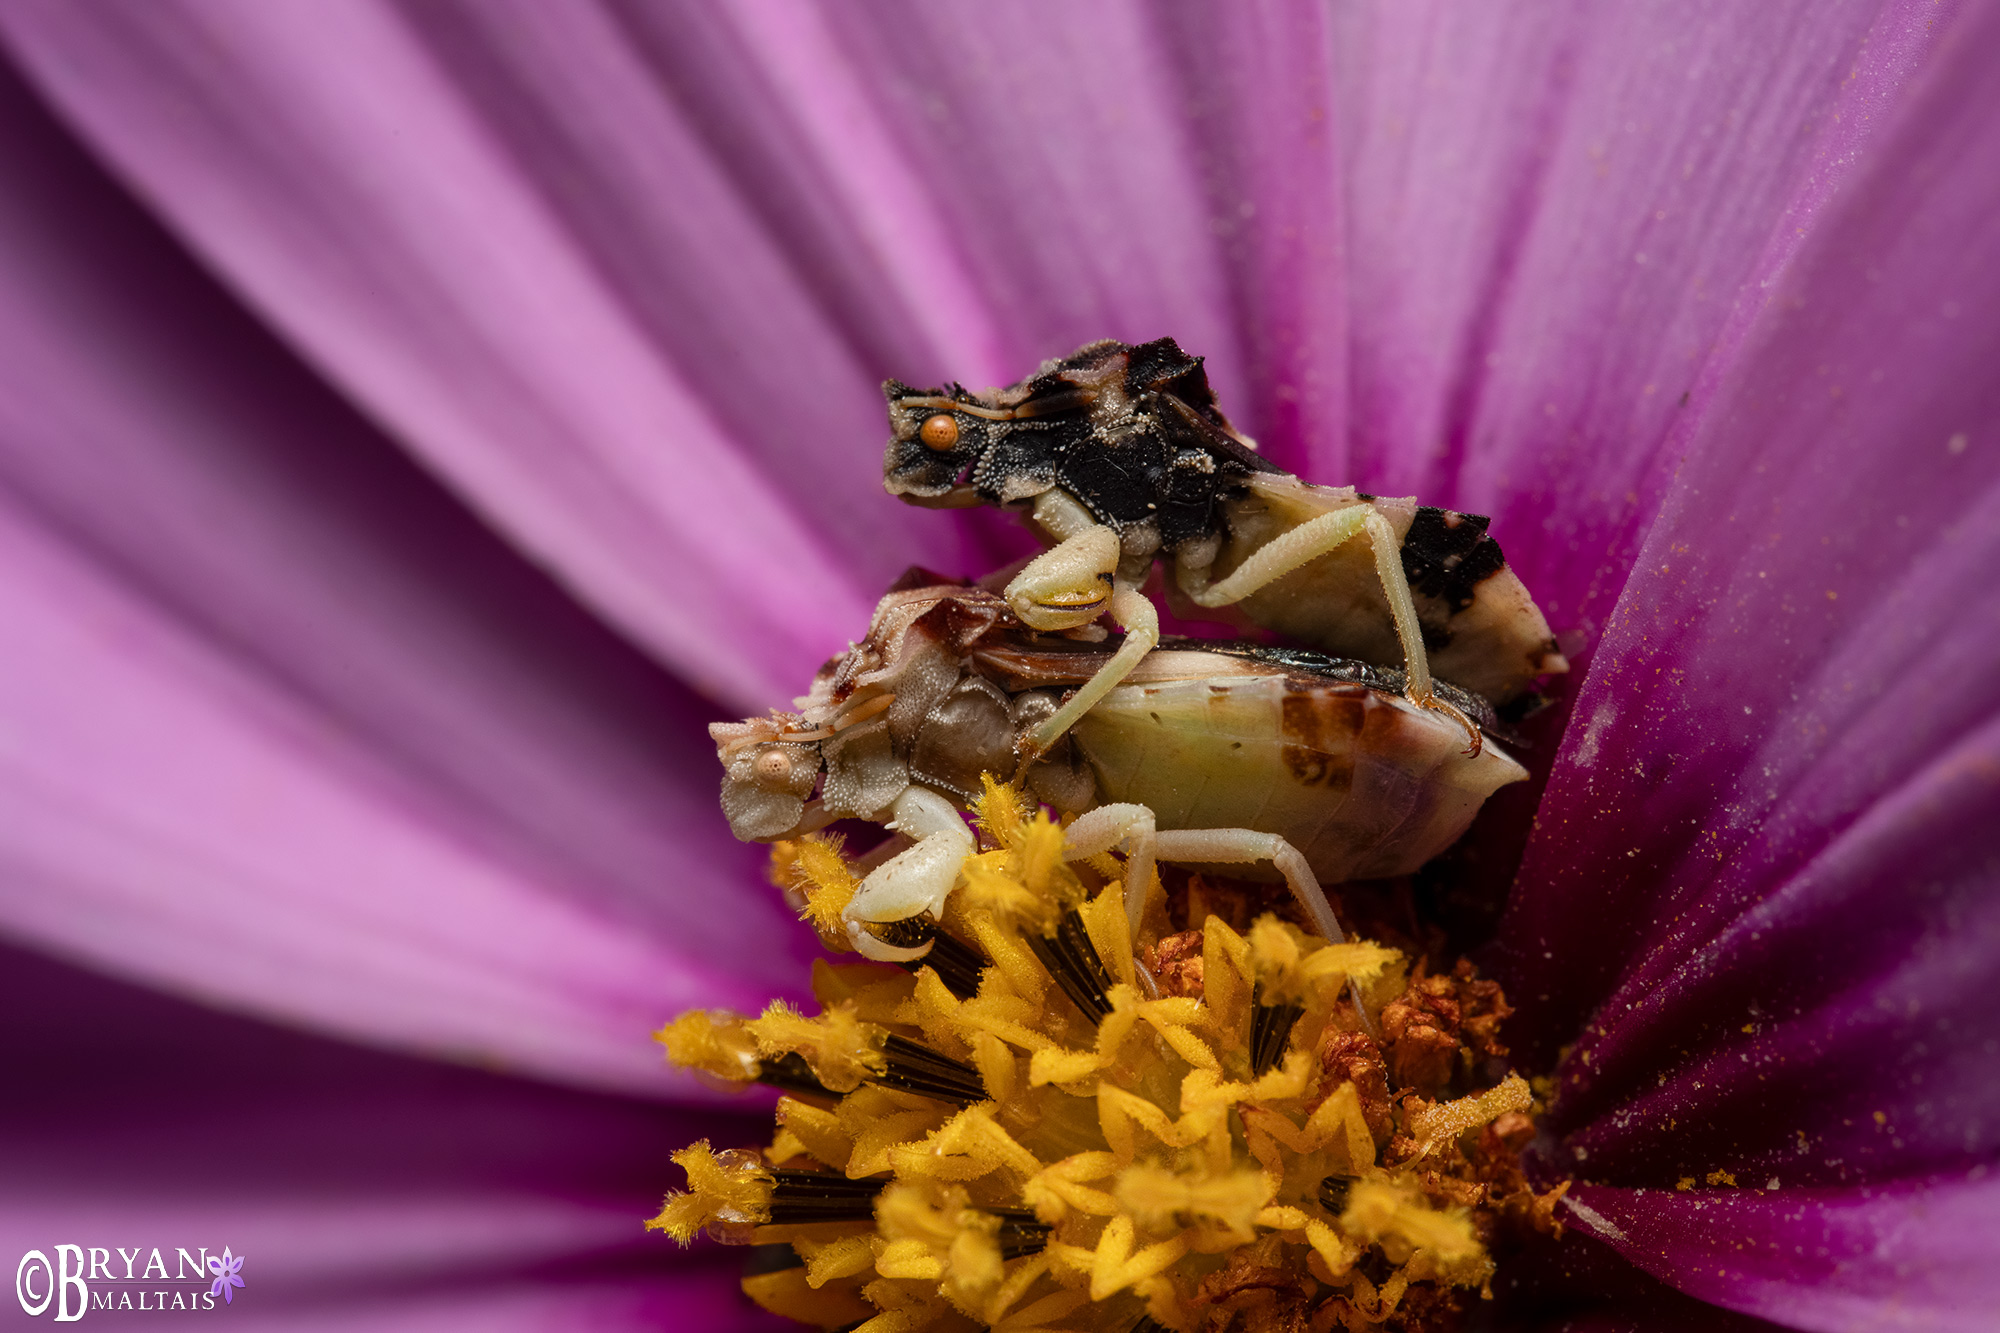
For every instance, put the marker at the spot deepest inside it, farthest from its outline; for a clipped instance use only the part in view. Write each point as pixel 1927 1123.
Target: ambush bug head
pixel 936 435
pixel 766 775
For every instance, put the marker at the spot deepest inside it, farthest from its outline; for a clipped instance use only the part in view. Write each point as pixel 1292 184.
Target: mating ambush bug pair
pixel 1323 761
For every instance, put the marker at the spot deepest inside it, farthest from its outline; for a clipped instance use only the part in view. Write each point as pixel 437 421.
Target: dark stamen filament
pixel 919 1069
pixel 1072 960
pixel 1020 1233
pixel 1333 1193
pixel 1270 1029
pixel 958 964
pixel 771 1259
pixel 821 1196
pixel 791 1075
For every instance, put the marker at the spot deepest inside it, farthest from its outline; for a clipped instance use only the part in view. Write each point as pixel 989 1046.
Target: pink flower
pixel 416 421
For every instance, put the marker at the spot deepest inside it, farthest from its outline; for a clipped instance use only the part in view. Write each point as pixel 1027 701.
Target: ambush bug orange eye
pixel 939 432
pixel 773 768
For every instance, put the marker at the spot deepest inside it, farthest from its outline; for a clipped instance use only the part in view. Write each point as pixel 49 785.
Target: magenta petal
pixel 1816 1259
pixel 1011 186
pixel 1766 856
pixel 626 278
pixel 180 819
pixel 1843 1030
pixel 409 248
pixel 1024 185
pixel 675 201
pixel 285 726
pixel 1558 214
pixel 355 1189
pixel 1053 157
pixel 1257 93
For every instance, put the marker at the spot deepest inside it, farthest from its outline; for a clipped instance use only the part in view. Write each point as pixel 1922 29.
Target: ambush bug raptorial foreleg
pixel 1070 585
pixel 916 880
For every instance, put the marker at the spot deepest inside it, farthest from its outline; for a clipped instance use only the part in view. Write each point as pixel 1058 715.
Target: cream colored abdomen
pixel 1364 784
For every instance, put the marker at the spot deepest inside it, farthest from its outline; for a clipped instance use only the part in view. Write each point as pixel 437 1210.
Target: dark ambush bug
pixel 1121 456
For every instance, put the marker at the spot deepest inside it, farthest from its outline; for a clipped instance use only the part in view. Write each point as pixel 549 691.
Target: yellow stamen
pixel 815 866
pixel 713 1041
pixel 841 1049
pixel 1381 1212
pixel 1124 1153
pixel 726 1189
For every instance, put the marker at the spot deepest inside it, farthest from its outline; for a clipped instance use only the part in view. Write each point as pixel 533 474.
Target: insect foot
pixel 1474 741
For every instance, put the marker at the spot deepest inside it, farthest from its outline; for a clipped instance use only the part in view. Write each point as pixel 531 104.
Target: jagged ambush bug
pixel 1207 753
pixel 1121 456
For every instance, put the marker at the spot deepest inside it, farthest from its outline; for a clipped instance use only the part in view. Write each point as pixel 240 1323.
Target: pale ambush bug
pixel 1208 753
pixel 1120 455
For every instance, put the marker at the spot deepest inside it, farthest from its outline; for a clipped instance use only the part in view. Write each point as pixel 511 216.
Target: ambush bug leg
pixel 1403 608
pixel 1068 585
pixel 914 881
pixel 1238 844
pixel 1062 515
pixel 1316 538
pixel 1133 610
pixel 1281 555
pixel 1103 828
pixel 1071 585
pixel 1474 740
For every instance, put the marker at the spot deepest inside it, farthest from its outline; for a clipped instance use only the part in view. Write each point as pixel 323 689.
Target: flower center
pixel 1051 1123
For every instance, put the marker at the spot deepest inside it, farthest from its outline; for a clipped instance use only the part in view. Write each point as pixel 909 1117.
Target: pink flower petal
pixel 1766 855
pixel 355 1189
pixel 1131 172
pixel 175 818
pixel 1257 85
pixel 1558 214
pixel 396 238
pixel 630 286
pixel 285 727
pixel 1815 1259
pixel 690 201
pixel 1841 1030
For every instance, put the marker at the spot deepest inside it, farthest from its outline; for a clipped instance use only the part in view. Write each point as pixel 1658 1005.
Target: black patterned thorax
pixel 1121 480
pixel 1132 432
pixel 1447 555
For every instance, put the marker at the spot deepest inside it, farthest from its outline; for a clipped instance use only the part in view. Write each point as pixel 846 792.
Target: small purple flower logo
pixel 225 1269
